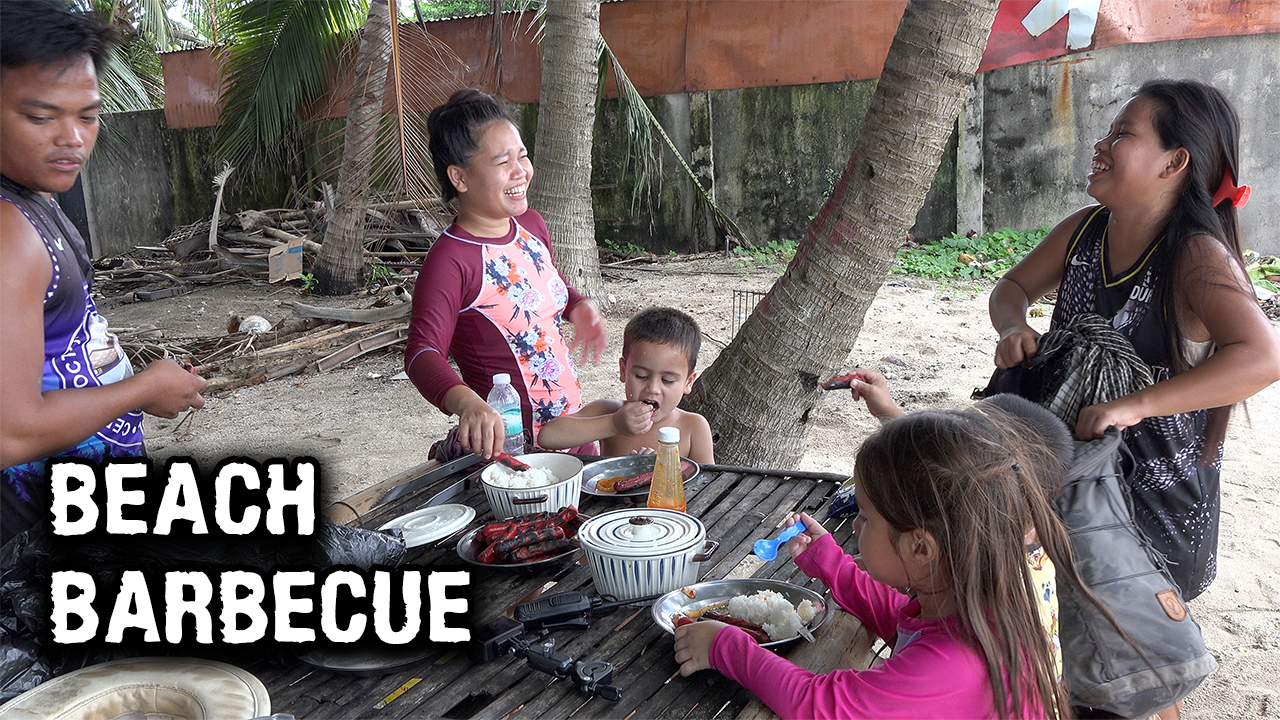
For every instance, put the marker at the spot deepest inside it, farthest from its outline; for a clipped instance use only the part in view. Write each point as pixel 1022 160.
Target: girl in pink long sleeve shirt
pixel 945 499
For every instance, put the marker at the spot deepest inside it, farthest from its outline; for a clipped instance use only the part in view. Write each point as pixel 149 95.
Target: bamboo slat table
pixel 737 505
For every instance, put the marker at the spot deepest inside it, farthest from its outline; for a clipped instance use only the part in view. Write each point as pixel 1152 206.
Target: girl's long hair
pixel 1199 118
pixel 978 481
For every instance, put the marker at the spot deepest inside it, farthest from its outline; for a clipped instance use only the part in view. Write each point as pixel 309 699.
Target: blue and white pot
pixel 638 552
pixel 510 502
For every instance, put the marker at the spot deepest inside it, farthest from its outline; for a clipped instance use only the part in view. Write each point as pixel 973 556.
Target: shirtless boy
pixel 657 368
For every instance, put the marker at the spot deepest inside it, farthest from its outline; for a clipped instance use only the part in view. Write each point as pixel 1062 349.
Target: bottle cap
pixel 669 435
pixel 502 379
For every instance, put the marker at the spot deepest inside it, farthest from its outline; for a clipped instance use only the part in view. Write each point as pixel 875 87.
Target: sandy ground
pixel 932 341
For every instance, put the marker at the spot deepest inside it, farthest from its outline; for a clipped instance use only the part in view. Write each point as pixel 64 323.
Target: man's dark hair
pixel 46 32
pixel 664 326
pixel 455 132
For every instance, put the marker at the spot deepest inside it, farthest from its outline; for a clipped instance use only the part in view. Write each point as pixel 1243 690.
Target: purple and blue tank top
pixel 79 352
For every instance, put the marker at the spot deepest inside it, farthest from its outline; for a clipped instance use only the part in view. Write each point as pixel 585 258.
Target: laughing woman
pixel 1160 258
pixel 488 293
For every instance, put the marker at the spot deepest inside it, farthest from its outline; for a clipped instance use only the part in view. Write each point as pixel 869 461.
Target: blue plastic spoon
pixel 768 549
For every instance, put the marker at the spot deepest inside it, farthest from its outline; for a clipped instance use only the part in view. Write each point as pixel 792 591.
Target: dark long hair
pixel 977 480
pixel 455 132
pixel 1199 118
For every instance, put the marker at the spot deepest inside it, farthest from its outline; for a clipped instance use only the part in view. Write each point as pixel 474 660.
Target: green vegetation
pixel 376 273
pixel 444 9
pixel 628 249
pixel 989 255
pixel 1265 273
pixel 308 282
pixel 772 252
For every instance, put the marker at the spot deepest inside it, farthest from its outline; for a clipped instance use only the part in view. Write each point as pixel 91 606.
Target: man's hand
pixel 588 330
pixel 171 388
pixel 633 418
pixel 693 645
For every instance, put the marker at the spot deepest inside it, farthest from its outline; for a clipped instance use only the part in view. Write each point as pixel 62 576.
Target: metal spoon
pixel 768 549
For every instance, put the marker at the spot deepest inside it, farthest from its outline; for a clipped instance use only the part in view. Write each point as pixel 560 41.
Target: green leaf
pixel 280 57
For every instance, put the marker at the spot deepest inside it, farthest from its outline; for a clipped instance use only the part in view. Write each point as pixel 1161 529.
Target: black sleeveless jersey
pixel 1175 493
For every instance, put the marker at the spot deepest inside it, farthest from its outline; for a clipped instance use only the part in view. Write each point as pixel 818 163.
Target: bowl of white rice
pixel 785 611
pixel 552 483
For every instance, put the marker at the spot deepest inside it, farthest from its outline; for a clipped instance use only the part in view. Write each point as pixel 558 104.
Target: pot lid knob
pixel 642 529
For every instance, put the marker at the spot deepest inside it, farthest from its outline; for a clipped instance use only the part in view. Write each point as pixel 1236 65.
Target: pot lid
pixel 642 532
pixel 431 523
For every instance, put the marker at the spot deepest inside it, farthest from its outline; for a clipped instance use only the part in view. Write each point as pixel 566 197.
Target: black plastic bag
pixel 344 545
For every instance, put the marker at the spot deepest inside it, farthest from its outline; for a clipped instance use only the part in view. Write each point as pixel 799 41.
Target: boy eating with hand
pixel 659 354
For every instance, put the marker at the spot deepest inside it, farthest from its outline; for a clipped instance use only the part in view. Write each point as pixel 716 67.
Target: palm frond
pixel 152 20
pixel 125 87
pixel 280 58
pixel 643 133
pixel 401 164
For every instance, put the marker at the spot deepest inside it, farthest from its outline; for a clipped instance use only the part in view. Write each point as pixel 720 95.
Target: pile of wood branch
pixel 141 278
pixel 317 339
pixel 396 233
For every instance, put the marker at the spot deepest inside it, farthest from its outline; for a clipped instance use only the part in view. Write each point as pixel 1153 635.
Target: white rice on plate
pixel 773 612
pixel 533 477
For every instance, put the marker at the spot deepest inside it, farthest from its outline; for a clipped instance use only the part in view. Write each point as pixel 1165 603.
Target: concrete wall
pixel 1042 119
pixel 145 180
pixel 127 189
pixel 768 156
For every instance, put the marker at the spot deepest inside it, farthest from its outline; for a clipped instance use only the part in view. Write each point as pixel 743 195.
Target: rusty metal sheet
pixel 672 46
pixel 754 43
pixel 1123 21
pixel 648 36
pixel 192 83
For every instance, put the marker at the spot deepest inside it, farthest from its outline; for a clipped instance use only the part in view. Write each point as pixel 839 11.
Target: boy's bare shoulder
pixel 688 419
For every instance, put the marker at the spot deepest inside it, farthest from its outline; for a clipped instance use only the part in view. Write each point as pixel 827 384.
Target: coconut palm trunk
pixel 561 188
pixel 761 395
pixel 339 268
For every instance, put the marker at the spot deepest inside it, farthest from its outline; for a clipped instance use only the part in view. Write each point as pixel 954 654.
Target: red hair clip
pixel 1228 191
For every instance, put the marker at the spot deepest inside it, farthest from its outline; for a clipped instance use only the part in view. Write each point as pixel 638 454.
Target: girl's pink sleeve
pixel 533 221
pixel 937 679
pixel 877 605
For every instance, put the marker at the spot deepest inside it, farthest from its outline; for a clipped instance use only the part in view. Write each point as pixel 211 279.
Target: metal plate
pixel 627 466
pixel 469 548
pixel 714 591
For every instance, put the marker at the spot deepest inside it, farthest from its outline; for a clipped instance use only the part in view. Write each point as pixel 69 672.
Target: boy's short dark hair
pixel 665 326
pixel 45 32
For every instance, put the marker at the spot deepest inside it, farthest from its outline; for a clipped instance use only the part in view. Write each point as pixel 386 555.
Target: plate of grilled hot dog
pixel 523 541
pixel 627 476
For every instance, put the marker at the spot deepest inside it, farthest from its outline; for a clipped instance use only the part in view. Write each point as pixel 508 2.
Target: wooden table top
pixel 737 506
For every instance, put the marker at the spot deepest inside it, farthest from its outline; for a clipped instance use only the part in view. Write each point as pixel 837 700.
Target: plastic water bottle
pixel 667 488
pixel 506 401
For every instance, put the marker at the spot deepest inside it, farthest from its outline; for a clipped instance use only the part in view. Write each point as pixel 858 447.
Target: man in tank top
pixel 66 387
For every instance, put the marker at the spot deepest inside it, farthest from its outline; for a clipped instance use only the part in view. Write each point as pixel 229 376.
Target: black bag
pixel 1117 562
